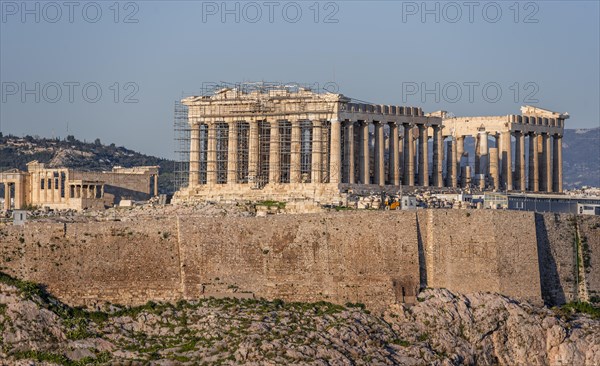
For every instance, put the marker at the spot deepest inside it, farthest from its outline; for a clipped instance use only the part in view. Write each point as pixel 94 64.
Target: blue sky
pixel 542 53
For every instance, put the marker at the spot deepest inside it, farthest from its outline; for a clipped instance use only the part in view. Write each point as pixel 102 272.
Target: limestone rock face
pixel 493 329
pixel 442 328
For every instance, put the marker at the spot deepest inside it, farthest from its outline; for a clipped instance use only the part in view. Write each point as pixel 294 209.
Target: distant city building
pixel 543 203
pixel 63 188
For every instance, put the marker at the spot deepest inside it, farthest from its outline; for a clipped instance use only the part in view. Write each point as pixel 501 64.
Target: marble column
pixel 533 163
pixel 547 162
pixel 364 153
pixel 295 153
pixel 438 156
pixel 351 152
pixel 274 156
pixel 232 153
pixel 409 156
pixel 460 152
pixel 423 156
pixel 194 155
pixel 477 154
pixel 379 154
pixel 211 154
pixel 253 152
pixel 483 153
pixel 335 163
pixel 394 155
pixel 6 196
pixel 507 172
pixel 493 168
pixel 452 165
pixel 317 153
pixel 557 168
pixel 520 160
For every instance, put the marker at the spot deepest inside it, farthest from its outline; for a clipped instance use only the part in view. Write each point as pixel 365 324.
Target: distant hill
pixel 581 158
pixel 581 154
pixel 16 152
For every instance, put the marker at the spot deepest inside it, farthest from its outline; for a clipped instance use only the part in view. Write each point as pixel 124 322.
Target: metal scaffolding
pixel 247 170
pixel 285 149
pixel 305 151
pixel 181 128
pixel 264 149
pixel 222 144
pixel 243 148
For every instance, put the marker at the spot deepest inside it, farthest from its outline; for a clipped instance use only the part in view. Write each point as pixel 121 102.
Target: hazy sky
pixel 475 58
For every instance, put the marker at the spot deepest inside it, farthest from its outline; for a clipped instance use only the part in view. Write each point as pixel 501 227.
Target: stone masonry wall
pixel 376 258
pixel 483 250
pixel 342 257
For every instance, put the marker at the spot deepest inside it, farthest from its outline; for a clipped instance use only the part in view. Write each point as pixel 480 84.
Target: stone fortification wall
pixel 376 258
pixel 471 251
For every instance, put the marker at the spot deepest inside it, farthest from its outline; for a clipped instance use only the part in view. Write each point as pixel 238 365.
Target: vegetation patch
pixel 270 203
pixel 579 307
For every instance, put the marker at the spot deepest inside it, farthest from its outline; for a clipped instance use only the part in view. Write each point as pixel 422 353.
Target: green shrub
pixel 400 342
pixel 580 308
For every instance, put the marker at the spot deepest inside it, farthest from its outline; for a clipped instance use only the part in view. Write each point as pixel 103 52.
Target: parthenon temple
pixel 280 144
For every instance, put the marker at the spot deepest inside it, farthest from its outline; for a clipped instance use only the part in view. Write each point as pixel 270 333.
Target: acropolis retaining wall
pixel 376 258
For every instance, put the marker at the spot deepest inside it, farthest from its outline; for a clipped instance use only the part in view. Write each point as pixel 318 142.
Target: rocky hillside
pixel 16 152
pixel 441 329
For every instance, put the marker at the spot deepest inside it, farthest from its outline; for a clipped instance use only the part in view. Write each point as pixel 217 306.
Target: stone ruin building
pixel 507 166
pixel 282 143
pixel 63 188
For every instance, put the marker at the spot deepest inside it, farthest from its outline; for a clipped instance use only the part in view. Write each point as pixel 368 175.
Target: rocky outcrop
pixel 443 328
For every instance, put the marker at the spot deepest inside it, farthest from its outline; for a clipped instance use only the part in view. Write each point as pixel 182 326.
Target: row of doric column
pixel 399 157
pixel 537 168
pixel 324 155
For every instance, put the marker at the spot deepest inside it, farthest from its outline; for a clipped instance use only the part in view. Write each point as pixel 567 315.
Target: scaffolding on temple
pixel 255 172
pixel 182 136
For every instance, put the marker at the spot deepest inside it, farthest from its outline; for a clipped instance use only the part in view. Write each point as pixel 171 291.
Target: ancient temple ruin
pixel 63 188
pixel 507 166
pixel 283 143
